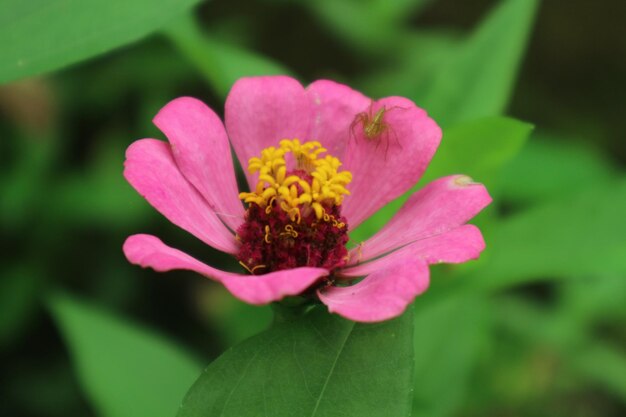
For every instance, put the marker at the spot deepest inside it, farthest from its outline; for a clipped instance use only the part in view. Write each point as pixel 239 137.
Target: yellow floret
pixel 292 193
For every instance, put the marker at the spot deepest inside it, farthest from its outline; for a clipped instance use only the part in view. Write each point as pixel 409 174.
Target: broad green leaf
pixel 315 365
pixel 584 234
pixel 44 35
pixel 477 80
pixel 479 149
pixel 549 167
pixel 124 369
pixel 137 71
pixel 448 339
pixel 220 63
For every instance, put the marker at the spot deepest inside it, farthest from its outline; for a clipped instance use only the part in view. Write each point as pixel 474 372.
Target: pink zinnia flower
pixel 320 160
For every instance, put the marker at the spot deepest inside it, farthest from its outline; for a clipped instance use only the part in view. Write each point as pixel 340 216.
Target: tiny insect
pixel 375 128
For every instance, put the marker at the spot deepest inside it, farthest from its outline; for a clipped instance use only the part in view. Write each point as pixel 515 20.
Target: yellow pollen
pixel 293 194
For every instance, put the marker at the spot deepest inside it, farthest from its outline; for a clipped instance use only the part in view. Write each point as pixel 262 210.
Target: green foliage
pixel 19 290
pixel 124 369
pixel 44 35
pixel 598 299
pixel 27 175
pixel 478 78
pixel 568 335
pixel 423 52
pixel 491 142
pixel 574 236
pixel 604 364
pixel 315 364
pixel 549 167
pixel 448 340
pixel 115 203
pixel 220 63
pixel 373 24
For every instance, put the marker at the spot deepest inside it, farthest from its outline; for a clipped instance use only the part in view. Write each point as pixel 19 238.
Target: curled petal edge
pixel 150 252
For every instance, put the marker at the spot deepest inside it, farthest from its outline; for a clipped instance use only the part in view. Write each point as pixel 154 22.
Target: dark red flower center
pixel 270 241
pixel 294 214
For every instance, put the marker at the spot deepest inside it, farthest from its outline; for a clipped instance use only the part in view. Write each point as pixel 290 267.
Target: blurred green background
pixel 534 328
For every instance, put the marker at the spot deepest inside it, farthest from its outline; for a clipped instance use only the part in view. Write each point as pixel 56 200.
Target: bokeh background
pixel 536 327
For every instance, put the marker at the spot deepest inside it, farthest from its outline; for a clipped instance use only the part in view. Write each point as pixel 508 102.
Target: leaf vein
pixel 332 369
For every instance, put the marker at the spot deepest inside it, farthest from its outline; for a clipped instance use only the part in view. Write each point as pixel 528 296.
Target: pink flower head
pixel 320 160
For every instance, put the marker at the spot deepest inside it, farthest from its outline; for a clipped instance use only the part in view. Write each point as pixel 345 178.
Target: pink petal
pixel 261 111
pixel 386 166
pixel 150 251
pixel 334 108
pixel 442 205
pixel 456 246
pixel 202 153
pixel 382 295
pixel 151 170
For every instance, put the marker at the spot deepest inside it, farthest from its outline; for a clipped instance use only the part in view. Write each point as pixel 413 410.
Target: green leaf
pixel 478 79
pixel 314 365
pixel 550 167
pixel 45 35
pixel 479 149
pixel 580 235
pixel 220 63
pixel 124 369
pixel 448 339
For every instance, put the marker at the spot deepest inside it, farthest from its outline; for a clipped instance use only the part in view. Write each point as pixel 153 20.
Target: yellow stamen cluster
pixel 295 195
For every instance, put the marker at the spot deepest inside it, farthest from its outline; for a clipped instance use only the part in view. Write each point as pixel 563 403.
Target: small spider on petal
pixel 373 127
pixel 309 185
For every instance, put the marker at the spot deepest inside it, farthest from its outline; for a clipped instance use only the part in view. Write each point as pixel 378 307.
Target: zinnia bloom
pixel 320 161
